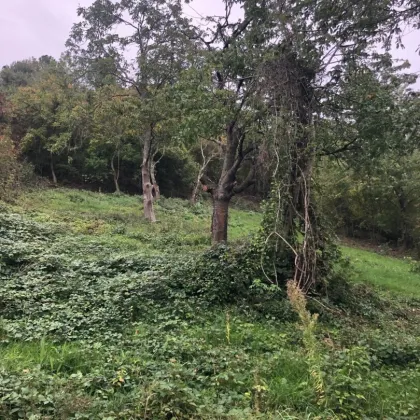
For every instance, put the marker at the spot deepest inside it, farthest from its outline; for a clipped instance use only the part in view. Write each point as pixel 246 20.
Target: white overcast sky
pixel 31 28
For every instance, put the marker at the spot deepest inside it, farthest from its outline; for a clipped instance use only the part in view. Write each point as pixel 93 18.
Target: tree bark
pixel 406 238
pixel 194 193
pixel 227 186
pixel 149 212
pixel 116 172
pixel 156 189
pixel 205 163
pixel 223 192
pixel 297 232
pixel 219 223
pixel 54 177
pixel 197 184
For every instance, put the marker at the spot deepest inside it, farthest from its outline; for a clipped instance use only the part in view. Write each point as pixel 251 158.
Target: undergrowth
pixel 135 328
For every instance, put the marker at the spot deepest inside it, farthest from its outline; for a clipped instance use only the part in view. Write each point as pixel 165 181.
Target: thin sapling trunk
pixel 146 169
pixel 53 175
pixel 116 171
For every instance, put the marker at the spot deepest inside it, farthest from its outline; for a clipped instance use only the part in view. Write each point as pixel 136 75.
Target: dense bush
pixel 380 204
pixel 13 173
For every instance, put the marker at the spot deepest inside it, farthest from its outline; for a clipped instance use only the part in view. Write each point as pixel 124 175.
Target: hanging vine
pixel 293 236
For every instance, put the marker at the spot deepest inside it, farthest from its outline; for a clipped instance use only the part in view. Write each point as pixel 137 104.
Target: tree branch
pixel 207 184
pixel 241 28
pixel 340 150
pixel 248 181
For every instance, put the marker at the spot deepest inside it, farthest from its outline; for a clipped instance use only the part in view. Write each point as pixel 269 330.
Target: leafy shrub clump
pixel 21 239
pixel 68 296
pixel 13 173
pixel 414 265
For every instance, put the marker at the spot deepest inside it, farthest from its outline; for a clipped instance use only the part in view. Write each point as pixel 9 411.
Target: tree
pixel 115 124
pixel 376 182
pixel 225 105
pixel 151 33
pixel 209 152
pixel 213 114
pixel 23 73
pixel 12 172
pixel 321 48
pixel 49 118
pixel 279 70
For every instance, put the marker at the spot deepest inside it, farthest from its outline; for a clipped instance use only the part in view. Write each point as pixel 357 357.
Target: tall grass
pixel 390 274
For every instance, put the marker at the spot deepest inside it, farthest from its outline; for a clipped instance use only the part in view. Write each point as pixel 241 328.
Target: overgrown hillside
pixel 104 316
pixel 283 127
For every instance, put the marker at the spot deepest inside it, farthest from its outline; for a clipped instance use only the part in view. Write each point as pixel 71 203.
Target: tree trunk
pixel 194 194
pixel 117 187
pixel 116 173
pixel 219 223
pixel 54 177
pixel 156 189
pixel 206 161
pixel 406 238
pixel 297 234
pixel 146 169
pixel 197 184
pixel 227 186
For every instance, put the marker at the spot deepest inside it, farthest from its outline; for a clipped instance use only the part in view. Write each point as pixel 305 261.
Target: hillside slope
pixel 105 316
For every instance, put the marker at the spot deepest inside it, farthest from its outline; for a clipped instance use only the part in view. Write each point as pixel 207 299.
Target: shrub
pixel 13 174
pixel 346 386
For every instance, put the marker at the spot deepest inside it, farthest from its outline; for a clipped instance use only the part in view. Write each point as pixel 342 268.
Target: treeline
pixel 380 203
pixel 90 137
pixel 252 106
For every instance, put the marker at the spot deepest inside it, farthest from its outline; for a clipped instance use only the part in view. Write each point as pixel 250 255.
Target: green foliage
pixel 380 203
pixel 14 175
pixel 105 316
pixel 68 287
pixel 23 73
pixel 115 131
pixel 283 240
pixel 143 335
pixel 308 324
pixel 346 385
pixel 50 119
pixel 414 265
pixel 180 224
pixel 94 327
